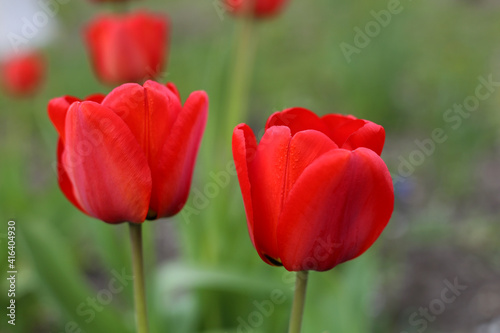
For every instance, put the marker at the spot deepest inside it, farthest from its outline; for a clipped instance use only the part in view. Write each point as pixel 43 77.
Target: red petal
pixel 173 88
pixel 177 157
pixel 149 112
pixel 351 133
pixel 99 36
pixel 244 149
pixel 342 133
pixel 22 73
pixel 63 179
pixel 337 209
pixel 266 8
pixel 127 48
pixel 305 148
pixel 267 177
pixel 57 109
pixel 371 136
pixel 150 32
pixel 335 120
pixel 164 108
pixel 98 98
pixel 297 119
pixel 261 8
pixel 105 164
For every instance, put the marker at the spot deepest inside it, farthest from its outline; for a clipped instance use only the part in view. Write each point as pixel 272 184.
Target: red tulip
pixel 127 48
pixel 129 156
pixel 316 191
pixel 257 8
pixel 23 74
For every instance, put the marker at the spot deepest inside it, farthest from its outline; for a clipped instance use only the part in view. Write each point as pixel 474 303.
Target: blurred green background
pixel 203 274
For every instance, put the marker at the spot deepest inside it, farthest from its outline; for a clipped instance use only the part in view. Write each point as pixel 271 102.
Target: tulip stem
pixel 298 302
pixel 239 82
pixel 138 272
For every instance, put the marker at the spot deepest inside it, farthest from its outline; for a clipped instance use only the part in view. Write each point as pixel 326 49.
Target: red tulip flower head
pixel 256 8
pixel 316 191
pixel 129 155
pixel 127 47
pixel 22 74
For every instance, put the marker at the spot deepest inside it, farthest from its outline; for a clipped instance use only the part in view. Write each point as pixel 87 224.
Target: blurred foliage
pixel 203 274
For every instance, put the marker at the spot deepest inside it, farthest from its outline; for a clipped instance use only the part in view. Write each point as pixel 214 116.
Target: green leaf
pixel 87 309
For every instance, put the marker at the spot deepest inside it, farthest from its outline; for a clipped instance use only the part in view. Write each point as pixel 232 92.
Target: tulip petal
pixel 341 133
pixel 128 102
pixel 305 148
pixel 267 174
pixel 114 53
pixel 150 114
pixel 297 119
pixel 98 98
pixel 63 179
pixel 244 149
pixel 336 120
pixel 21 73
pixel 336 210
pixel 173 88
pixel 150 32
pixel 106 165
pixel 371 136
pixel 102 49
pixel 177 158
pixel 57 110
pixel 127 48
pixel 351 133
pixel 267 8
pixel 259 8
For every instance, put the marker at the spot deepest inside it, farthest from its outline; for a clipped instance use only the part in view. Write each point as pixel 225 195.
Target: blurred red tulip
pixel 128 47
pixel 23 74
pixel 316 191
pixel 257 8
pixel 129 156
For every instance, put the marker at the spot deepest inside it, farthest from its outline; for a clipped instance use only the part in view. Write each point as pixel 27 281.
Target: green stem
pixel 236 106
pixel 239 83
pixel 138 272
pixel 298 302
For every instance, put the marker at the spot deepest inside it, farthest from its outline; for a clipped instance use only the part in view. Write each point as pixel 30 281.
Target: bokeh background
pixel 202 273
